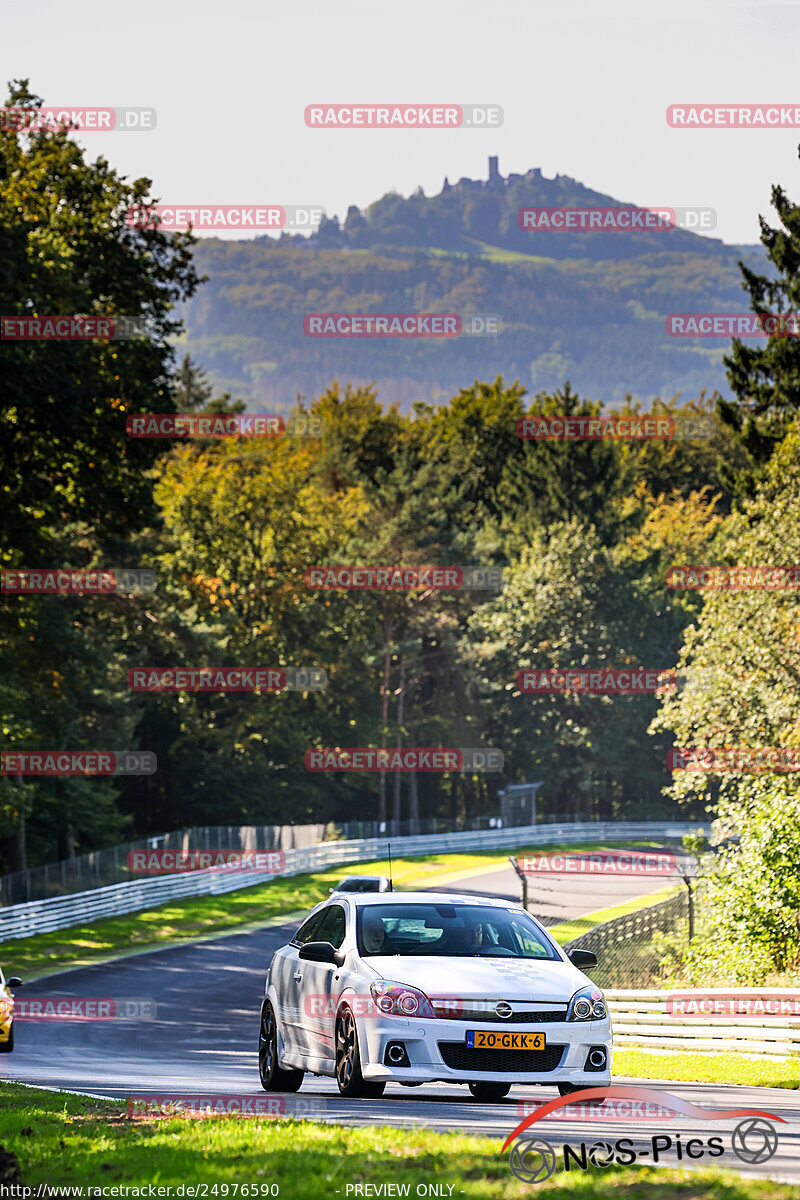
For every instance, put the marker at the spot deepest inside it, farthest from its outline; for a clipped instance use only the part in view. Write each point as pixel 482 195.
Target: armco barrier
pixel 641 1018
pixel 61 912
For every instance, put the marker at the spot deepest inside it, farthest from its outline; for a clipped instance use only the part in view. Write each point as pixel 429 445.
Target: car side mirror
pixel 14 981
pixel 582 958
pixel 322 952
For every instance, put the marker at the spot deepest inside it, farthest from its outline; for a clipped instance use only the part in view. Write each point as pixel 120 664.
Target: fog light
pixel 596 1059
pixel 395 1054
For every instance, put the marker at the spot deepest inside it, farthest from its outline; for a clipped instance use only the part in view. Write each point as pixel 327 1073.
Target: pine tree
pixel 766 378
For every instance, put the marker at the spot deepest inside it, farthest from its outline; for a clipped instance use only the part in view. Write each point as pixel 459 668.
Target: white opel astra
pixel 421 987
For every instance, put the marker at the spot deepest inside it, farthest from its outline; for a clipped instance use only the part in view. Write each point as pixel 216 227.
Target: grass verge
pixel 707 1068
pixel 65 1140
pixel 234 912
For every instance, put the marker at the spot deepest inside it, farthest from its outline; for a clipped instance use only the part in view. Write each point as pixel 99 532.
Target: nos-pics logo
pixel 533 1159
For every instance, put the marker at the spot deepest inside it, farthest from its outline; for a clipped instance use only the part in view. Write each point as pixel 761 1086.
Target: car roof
pixel 361 898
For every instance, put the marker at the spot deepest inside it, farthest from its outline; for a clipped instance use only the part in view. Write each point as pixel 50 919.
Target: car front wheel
pixel 7 1047
pixel 348 1061
pixel 274 1078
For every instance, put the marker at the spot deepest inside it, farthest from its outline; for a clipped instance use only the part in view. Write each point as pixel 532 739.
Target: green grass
pixel 67 1140
pixel 203 916
pixel 707 1068
pixel 498 254
pixel 567 931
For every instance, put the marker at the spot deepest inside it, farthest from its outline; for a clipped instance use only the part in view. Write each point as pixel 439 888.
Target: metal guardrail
pixel 102 868
pixel 62 912
pixel 643 1018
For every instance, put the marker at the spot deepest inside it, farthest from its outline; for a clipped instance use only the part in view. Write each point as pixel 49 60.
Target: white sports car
pixel 419 987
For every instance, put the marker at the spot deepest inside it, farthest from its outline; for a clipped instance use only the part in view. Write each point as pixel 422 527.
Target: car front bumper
pixel 436 1050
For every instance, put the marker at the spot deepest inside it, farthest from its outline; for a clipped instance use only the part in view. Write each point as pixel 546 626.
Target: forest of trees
pixel 585 533
pixel 597 321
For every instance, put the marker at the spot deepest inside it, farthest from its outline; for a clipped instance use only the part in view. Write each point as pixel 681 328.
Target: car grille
pixel 459 1057
pixel 489 1016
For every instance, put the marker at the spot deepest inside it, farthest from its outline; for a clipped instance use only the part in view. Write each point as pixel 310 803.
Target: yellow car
pixel 7 1012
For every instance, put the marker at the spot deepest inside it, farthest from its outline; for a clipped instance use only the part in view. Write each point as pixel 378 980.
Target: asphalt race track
pixel 204 1035
pixel 554 898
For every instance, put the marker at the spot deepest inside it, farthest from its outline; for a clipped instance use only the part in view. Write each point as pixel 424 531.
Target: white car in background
pixel 420 987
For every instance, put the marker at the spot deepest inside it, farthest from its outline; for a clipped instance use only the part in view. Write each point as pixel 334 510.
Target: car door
pixel 286 975
pixel 319 989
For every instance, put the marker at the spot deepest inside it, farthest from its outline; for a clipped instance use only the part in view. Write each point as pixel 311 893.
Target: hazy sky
pixel 584 87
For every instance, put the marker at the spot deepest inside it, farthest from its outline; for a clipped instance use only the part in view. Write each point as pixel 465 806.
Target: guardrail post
pixel 524 879
pixel 687 880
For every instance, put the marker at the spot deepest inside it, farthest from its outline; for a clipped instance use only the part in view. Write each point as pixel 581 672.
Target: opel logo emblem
pixel 504 1010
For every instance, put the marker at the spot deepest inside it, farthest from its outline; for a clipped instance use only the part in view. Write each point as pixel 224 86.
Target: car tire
pixel 7 1047
pixel 274 1078
pixel 566 1089
pixel 349 1080
pixel 486 1092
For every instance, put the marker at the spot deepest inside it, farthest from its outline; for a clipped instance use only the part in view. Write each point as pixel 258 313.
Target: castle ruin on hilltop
pixel 495 179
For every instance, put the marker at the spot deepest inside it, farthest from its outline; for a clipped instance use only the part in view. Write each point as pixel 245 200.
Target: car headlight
pixel 6 1007
pixel 587 1005
pixel 399 1000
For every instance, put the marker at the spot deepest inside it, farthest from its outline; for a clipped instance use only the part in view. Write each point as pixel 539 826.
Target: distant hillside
pixel 589 307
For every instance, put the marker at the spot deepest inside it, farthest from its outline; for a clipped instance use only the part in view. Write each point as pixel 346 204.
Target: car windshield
pixel 451 931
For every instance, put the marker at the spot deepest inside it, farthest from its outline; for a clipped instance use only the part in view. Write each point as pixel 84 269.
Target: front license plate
pixel 487 1039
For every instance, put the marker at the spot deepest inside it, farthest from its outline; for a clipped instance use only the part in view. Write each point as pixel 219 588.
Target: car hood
pixel 482 978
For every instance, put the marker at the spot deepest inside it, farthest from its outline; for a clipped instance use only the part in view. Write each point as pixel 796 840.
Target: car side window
pixel 307 931
pixel 530 945
pixel 333 926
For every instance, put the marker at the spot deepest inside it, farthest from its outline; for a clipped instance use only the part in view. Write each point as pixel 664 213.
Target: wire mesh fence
pixel 632 949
